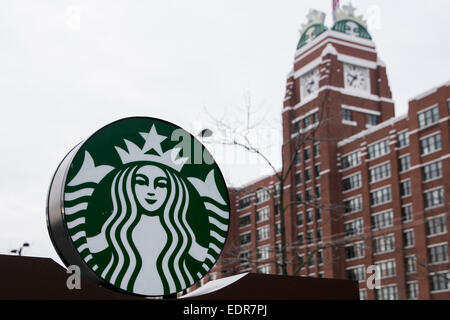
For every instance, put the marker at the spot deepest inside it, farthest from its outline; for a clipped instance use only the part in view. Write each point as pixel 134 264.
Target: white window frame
pixel 410 188
pixel 379 165
pixel 438 245
pixel 268 214
pixel 413 238
pixel 385 236
pixel 352 175
pixel 383 261
pixel 415 263
pixel 438 205
pixel 436 273
pixel 244 216
pixel 426 137
pixel 434 217
pixel 374 143
pixel 352 198
pixel 417 285
pixel 378 189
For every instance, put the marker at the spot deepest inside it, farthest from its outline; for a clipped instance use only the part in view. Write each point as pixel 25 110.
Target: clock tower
pixel 337 87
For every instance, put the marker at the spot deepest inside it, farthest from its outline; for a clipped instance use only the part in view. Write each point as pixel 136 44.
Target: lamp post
pixel 19 251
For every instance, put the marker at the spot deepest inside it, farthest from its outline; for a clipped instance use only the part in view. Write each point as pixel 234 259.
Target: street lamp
pixel 19 251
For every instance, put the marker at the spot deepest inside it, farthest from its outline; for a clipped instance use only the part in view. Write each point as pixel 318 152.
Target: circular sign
pixel 140 207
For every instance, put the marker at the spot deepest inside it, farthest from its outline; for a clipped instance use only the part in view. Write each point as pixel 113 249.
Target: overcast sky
pixel 69 67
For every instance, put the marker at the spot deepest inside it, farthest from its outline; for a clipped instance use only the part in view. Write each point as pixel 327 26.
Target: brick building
pixel 366 188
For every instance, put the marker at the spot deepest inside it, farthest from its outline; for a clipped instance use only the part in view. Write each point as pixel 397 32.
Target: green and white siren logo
pixel 138 210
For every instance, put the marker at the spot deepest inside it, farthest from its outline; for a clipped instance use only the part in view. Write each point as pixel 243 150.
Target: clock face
pixel 356 77
pixel 309 83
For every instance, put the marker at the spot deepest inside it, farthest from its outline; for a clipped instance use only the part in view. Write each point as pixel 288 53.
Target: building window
pixel 317 190
pixel 298 158
pixel 300 219
pixel 320 257
pixel 436 225
pixel 354 251
pixel 386 268
pixel 277 228
pixel 277 209
pixel 276 189
pixel 244 221
pixel 352 182
pixel 383 244
pixel 308 174
pixel 402 139
pixel 440 281
pixel 307 154
pixel 317 149
pixel 308 195
pixel 428 117
pixel 434 198
pixel 311 260
pixel 301 260
pixel 438 253
pixel 408 238
pixel 347 115
pixel 262 253
pixel 298 178
pixel 309 237
pixel 387 293
pixel 262 214
pixel 354 227
pixel 299 197
pixel 378 149
pixel 309 216
pixel 352 205
pixel 306 122
pixel 430 144
pixel 432 171
pixel 382 220
pixel 410 264
pixel 264 269
pixel 351 160
pixel 318 214
pixel 317 170
pixel 380 172
pixel 412 290
pixel 319 235
pixel 262 195
pixel 300 239
pixel 362 294
pixel 262 233
pixel 407 215
pixel 244 202
pixel 405 188
pixel 404 163
pixel 356 273
pixel 244 259
pixel 245 238
pixel 372 120
pixel 296 127
pixel 380 196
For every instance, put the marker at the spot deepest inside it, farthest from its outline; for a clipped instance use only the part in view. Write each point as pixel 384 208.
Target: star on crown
pixel 152 142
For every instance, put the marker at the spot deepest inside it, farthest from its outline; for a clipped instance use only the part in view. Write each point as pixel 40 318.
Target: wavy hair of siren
pixel 125 263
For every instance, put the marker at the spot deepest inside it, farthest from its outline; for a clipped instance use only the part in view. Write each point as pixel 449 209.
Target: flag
pixel 335 5
pixel 335 8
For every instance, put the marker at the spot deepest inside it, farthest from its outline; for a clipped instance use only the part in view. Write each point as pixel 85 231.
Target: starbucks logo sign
pixel 140 206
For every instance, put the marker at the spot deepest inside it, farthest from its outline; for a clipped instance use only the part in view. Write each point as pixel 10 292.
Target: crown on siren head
pixel 153 141
pixel 314 17
pixel 348 12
